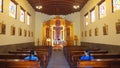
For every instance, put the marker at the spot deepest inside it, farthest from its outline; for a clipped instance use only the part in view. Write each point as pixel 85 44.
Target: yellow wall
pixel 110 19
pixel 40 18
pixel 9 21
pixel 75 19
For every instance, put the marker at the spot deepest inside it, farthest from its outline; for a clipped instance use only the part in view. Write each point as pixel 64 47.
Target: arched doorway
pixel 57 31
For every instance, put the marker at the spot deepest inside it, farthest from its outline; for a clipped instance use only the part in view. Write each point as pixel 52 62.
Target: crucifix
pixel 57 29
pixel 57 32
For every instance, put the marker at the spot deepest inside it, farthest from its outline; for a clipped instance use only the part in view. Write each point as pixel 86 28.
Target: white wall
pixel 110 20
pixel 9 21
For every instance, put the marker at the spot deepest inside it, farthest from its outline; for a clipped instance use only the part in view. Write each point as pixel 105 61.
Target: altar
pixel 59 32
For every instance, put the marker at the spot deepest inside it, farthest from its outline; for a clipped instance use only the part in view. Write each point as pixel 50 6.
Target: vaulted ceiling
pixel 57 7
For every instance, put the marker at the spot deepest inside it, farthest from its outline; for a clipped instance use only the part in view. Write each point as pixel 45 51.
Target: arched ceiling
pixel 57 7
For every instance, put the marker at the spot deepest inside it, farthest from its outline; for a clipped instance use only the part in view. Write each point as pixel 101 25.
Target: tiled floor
pixel 58 60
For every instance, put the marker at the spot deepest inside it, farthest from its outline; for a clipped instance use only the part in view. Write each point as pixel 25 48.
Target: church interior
pixel 60 31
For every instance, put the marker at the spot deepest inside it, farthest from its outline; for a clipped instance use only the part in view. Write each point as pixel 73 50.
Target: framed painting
pixel 85 33
pixel 118 27
pixel 90 32
pixel 20 31
pixel 12 30
pixel 2 28
pixel 96 31
pixel 105 29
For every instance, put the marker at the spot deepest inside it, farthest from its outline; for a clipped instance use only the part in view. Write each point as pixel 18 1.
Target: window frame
pixel 28 14
pixel 1 6
pixel 15 3
pixel 113 7
pixel 99 4
pixel 86 19
pixel 93 9
pixel 22 9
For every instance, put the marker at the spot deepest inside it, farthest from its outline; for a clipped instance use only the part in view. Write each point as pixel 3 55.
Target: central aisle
pixel 58 60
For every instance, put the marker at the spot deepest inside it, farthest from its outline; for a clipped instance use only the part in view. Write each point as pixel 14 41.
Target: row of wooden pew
pixel 73 53
pixel 43 53
pixel 17 63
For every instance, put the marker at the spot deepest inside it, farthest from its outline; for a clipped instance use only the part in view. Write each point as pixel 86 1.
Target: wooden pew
pixel 75 58
pixel 17 63
pixel 13 56
pixel 78 49
pixel 82 52
pixel 99 63
pixel 43 56
pixel 48 48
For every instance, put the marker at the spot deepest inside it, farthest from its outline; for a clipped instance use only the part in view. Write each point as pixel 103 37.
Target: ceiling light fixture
pixel 39 7
pixel 76 6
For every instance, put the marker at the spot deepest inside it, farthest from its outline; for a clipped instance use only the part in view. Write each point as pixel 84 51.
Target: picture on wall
pixel 12 30
pixel 31 34
pixel 82 34
pixel 2 28
pixel 28 33
pixel 105 29
pixel 90 32
pixel 85 33
pixel 118 27
pixel 20 31
pixel 96 31
pixel 25 33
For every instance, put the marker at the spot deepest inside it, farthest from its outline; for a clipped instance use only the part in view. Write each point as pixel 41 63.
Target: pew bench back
pixel 17 63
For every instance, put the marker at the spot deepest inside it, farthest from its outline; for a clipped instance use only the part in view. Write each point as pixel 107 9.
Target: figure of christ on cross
pixel 57 30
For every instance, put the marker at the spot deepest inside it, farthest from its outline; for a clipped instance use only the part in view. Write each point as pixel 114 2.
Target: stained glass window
pixel 22 15
pixel 86 19
pixel 1 5
pixel 92 14
pixel 12 9
pixel 102 9
pixel 116 5
pixel 28 19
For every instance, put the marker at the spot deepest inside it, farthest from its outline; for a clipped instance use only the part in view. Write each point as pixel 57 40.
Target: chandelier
pixel 76 6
